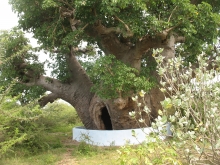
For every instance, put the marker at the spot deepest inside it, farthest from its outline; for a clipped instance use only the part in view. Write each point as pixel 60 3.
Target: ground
pixel 67 158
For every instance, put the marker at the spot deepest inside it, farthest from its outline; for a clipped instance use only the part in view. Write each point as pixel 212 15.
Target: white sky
pixel 8 19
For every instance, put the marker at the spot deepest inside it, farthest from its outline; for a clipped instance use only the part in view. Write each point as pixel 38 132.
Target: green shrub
pixel 113 79
pixel 20 123
pixel 61 116
pixel 85 148
pixel 191 106
pixel 153 152
pixel 194 101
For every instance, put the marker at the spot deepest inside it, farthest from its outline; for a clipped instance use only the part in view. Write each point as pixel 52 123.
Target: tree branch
pixel 84 51
pixel 172 13
pixel 66 3
pixel 103 30
pixel 163 35
pixel 108 40
pixel 50 98
pixel 180 39
pixel 129 32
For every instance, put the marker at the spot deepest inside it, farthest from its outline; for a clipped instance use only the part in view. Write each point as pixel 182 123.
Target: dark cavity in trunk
pixel 106 118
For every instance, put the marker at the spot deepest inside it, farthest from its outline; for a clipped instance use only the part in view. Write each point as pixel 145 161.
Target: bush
pixel 19 127
pixel 153 152
pixel 84 148
pixel 60 115
pixel 191 106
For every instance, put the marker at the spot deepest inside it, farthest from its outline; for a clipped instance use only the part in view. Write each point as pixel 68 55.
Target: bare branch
pixel 85 50
pixel 103 30
pixel 65 12
pixel 171 14
pixel 130 33
pixel 50 98
pixel 165 32
pixel 180 39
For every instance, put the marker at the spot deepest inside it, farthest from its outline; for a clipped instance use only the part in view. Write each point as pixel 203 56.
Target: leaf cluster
pixel 18 61
pixel 113 79
pixel 153 152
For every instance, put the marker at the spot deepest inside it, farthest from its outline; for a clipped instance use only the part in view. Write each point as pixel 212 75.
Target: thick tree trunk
pixel 114 114
pixel 97 113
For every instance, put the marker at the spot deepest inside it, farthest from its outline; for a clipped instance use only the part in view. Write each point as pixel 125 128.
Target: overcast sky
pixel 8 19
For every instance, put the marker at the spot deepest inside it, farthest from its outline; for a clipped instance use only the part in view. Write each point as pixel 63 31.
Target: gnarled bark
pixel 97 113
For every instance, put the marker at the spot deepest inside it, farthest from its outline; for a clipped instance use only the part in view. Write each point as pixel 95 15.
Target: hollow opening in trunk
pixel 106 118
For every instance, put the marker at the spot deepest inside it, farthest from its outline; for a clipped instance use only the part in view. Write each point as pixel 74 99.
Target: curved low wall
pixel 110 137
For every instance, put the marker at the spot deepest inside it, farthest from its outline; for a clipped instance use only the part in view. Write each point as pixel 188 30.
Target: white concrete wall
pixel 110 137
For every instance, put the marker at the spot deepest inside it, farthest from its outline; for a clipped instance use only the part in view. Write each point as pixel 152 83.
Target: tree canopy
pixel 57 23
pixel 60 24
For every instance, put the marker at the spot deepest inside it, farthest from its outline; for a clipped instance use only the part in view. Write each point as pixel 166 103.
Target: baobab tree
pixel 120 35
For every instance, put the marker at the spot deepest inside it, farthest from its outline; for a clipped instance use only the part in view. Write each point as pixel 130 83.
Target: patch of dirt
pixel 68 159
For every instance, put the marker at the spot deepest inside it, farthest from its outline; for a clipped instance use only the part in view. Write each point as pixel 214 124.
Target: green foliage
pixel 153 152
pixel 191 107
pixel 22 120
pixel 197 21
pixel 24 129
pixel 61 116
pixel 19 126
pixel 49 3
pixel 113 78
pixel 84 148
pixel 60 69
pixel 194 101
pixel 17 58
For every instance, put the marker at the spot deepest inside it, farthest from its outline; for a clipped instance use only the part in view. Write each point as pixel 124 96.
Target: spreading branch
pixel 103 30
pixel 107 39
pixel 50 98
